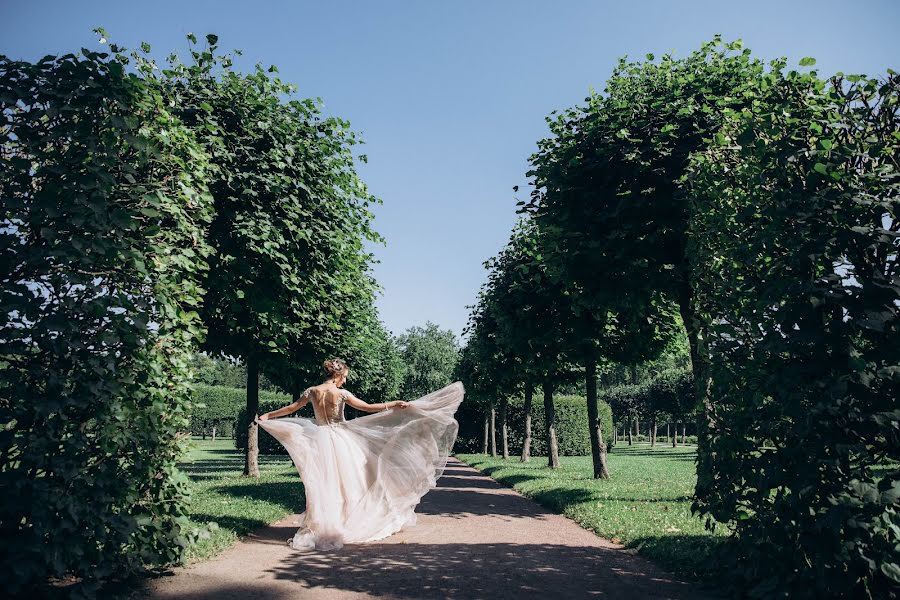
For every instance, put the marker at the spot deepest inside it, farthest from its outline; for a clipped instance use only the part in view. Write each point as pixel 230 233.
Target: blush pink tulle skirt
pixel 363 478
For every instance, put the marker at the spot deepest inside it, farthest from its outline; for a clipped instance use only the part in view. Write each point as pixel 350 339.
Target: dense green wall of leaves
pixel 571 426
pixel 102 221
pixel 795 251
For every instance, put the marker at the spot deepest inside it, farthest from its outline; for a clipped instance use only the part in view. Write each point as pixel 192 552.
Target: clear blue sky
pixel 451 96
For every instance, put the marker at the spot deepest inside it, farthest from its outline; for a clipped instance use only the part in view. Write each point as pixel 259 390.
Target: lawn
pixel 646 505
pixel 238 504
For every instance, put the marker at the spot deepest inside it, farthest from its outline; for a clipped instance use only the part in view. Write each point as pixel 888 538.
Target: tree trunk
pixel 668 431
pixel 494 446
pixel 653 432
pixel 598 447
pixel 526 443
pixel 683 434
pixel 675 437
pixel 702 383
pixel 628 427
pixel 504 437
pixel 251 462
pixel 214 433
pixel 487 424
pixel 550 421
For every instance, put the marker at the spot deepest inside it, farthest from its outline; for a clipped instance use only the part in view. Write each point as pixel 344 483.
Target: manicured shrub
pixel 268 401
pixel 219 406
pixel 102 222
pixel 795 257
pixel 571 426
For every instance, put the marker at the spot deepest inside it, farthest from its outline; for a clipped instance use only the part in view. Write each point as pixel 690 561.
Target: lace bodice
pixel 328 406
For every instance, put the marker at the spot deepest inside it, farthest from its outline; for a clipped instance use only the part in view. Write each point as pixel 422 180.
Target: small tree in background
pixel 429 357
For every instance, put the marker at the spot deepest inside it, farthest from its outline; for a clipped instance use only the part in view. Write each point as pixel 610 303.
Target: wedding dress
pixel 364 477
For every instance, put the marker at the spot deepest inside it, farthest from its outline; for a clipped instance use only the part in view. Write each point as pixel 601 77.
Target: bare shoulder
pixel 310 392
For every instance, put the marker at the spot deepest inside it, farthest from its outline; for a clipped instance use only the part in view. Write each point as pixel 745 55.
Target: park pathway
pixel 474 539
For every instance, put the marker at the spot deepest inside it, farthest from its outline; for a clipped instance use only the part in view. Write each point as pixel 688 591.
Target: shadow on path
pixel 475 539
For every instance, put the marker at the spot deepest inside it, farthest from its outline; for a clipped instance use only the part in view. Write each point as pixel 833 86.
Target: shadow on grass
pixel 514 480
pixel 240 525
pixel 288 495
pixel 558 499
pixel 689 555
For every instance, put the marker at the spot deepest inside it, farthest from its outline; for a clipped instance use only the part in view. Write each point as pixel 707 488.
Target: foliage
pixel 609 189
pixel 429 355
pixel 288 271
pixel 219 406
pixel 796 253
pixel 267 443
pixel 102 248
pixel 669 395
pixel 211 370
pixel 571 426
pixel 376 365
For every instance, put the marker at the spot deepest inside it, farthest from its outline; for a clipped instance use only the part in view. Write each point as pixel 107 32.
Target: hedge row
pixel 220 407
pixel 571 426
pixel 267 444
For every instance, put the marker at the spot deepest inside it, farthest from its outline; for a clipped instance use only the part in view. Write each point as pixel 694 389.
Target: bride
pixel 364 477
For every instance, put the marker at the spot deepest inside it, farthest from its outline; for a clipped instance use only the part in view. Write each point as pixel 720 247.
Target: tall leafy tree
pixel 288 276
pixel 530 312
pixel 610 185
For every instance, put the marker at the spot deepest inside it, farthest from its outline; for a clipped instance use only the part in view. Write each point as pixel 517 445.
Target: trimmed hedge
pixel 267 403
pixel 571 426
pixel 104 211
pixel 220 407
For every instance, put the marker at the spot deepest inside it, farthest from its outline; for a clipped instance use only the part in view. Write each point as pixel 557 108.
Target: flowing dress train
pixel 364 477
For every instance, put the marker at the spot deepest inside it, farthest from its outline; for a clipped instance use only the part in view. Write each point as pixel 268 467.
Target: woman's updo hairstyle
pixel 334 367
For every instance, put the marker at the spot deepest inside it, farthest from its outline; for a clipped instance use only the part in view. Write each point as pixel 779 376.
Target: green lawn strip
pixel 646 505
pixel 238 504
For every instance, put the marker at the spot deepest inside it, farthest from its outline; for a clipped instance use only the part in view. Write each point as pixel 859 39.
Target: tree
pixel 528 311
pixel 610 186
pixel 429 356
pixel 287 273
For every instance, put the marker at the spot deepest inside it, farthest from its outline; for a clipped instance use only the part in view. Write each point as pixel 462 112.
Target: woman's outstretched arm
pixel 293 407
pixel 366 407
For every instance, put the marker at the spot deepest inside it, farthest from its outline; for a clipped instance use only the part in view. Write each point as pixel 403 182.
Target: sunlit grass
pixel 238 504
pixel 646 505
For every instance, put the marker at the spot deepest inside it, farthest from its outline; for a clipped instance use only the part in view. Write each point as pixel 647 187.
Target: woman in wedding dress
pixel 364 477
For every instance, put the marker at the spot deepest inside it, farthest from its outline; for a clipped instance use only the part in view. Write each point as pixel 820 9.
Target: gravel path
pixel 474 539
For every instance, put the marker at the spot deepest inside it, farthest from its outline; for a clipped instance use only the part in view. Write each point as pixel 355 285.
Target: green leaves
pixel 807 61
pixel 99 395
pixel 802 334
pixel 287 270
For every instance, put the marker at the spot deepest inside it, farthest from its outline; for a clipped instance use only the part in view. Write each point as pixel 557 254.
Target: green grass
pixel 645 505
pixel 238 504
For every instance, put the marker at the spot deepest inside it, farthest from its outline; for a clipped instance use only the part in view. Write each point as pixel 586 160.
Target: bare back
pixel 328 403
